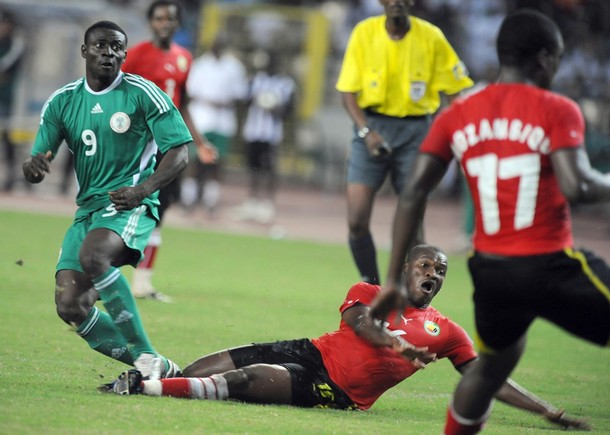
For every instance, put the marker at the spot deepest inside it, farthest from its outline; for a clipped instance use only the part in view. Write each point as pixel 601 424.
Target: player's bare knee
pixel 70 313
pixel 68 309
pixel 94 262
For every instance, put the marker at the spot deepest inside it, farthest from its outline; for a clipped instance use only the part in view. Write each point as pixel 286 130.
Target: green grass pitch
pixel 230 290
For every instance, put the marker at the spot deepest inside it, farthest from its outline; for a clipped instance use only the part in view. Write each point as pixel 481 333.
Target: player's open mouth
pixel 427 286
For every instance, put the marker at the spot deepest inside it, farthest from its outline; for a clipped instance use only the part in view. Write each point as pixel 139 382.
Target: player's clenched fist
pixel 127 198
pixel 35 167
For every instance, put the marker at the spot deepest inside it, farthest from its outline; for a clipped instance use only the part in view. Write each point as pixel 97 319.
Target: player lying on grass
pixel 348 368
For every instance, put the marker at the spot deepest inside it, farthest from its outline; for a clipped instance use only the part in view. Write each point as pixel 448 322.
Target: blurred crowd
pixel 311 138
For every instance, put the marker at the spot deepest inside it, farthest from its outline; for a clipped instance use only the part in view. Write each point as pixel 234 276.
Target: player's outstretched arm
pixel 559 417
pixel 35 168
pixel 206 152
pixel 578 180
pixel 515 395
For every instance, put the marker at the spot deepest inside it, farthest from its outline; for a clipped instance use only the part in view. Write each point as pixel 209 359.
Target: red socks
pixel 150 253
pixel 211 388
pixel 176 387
pixel 456 425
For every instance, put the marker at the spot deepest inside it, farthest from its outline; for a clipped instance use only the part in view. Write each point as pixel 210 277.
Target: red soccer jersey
pixel 502 137
pixel 364 372
pixel 167 69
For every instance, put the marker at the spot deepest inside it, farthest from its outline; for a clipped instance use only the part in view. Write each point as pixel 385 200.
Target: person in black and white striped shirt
pixel 271 100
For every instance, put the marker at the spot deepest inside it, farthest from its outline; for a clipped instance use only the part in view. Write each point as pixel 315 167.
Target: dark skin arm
pixel 578 181
pixel 515 395
pixel 206 152
pixel 373 140
pixel 360 320
pixel 426 173
pixel 129 197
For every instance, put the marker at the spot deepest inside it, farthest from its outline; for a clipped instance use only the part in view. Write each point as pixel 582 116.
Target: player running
pixel 113 124
pixel 520 147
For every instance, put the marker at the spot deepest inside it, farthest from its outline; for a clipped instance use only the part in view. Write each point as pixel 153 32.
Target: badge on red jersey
pixel 432 328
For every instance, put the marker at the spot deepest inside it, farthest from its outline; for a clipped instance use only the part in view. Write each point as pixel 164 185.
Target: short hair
pixel 159 3
pixel 417 250
pixel 104 25
pixel 523 34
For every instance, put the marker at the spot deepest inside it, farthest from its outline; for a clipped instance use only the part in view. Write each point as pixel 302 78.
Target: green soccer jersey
pixel 113 134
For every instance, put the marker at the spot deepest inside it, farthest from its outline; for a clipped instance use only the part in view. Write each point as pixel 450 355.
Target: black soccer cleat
pixel 129 382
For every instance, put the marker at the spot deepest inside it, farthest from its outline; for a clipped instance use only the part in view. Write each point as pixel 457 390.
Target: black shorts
pixel 311 385
pixel 261 155
pixel 569 288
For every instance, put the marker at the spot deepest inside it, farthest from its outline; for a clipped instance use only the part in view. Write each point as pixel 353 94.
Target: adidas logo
pixel 123 316
pixel 97 108
pixel 117 352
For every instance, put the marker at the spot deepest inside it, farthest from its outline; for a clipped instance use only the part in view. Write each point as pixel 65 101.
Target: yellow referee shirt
pixel 400 78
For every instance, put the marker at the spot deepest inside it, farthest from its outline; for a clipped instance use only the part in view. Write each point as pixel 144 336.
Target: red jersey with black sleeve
pixel 502 137
pixel 363 371
pixel 167 69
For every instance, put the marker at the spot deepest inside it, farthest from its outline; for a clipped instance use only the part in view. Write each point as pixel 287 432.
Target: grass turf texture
pixel 230 290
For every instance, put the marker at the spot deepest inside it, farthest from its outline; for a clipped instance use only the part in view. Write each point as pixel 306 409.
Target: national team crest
pixel 120 122
pixel 432 328
pixel 418 90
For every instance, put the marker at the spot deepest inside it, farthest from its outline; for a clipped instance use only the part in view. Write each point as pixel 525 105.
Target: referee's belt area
pixel 371 112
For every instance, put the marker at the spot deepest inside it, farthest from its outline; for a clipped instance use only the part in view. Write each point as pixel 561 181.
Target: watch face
pixel 363 132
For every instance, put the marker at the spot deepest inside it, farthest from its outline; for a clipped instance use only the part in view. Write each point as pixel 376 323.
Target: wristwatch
pixel 363 132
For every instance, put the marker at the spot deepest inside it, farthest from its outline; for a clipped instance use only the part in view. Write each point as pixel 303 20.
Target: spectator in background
pixel 12 50
pixel 167 65
pixel 394 68
pixel 218 81
pixel 270 102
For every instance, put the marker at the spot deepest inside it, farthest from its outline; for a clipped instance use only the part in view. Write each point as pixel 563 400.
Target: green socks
pixel 121 306
pixel 101 335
